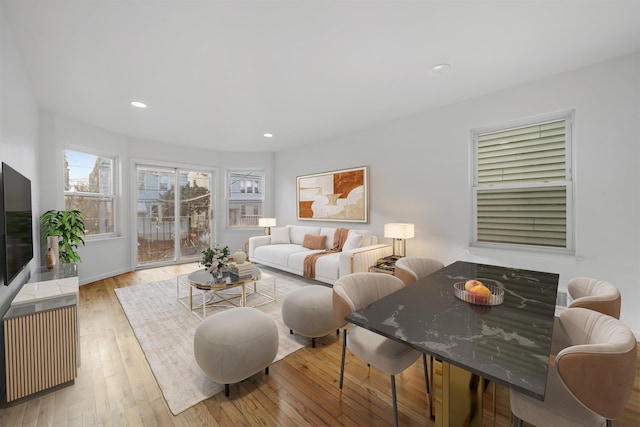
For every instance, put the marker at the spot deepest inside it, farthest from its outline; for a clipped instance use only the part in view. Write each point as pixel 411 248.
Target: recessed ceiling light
pixel 268 135
pixel 439 70
pixel 138 104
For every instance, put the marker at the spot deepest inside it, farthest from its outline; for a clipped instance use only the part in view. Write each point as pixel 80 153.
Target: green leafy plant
pixel 70 229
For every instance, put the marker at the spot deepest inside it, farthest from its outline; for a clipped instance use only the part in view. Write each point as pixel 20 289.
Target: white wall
pixel 420 172
pixel 18 148
pixel 108 257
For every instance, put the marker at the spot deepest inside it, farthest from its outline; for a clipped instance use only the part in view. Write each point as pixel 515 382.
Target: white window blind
pixel 522 185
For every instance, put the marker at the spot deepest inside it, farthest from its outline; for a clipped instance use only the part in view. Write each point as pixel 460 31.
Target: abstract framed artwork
pixel 341 195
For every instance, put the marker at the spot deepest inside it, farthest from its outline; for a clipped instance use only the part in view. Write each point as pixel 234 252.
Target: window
pixel 245 198
pixel 173 210
pixel 89 188
pixel 522 185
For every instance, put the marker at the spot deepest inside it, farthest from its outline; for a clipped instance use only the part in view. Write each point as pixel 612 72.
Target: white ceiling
pixel 219 74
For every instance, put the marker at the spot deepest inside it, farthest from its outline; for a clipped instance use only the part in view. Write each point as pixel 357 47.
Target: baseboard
pixel 85 280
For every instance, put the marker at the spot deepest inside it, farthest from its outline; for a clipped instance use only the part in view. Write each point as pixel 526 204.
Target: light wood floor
pixel 115 386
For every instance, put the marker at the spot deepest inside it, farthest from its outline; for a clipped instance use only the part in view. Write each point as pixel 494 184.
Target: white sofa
pixel 284 249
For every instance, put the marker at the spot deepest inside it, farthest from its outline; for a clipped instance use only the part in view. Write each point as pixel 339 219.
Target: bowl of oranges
pixel 476 292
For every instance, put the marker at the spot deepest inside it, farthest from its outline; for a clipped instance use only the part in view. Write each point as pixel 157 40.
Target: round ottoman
pixel 235 344
pixel 309 312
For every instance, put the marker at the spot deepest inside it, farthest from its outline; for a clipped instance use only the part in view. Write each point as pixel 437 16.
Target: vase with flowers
pixel 214 259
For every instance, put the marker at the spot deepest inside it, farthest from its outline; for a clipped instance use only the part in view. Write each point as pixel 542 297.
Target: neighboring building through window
pixel 173 207
pixel 245 197
pixel 522 185
pixel 89 188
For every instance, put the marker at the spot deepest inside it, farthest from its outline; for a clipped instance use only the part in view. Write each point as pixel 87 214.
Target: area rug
pixel 165 328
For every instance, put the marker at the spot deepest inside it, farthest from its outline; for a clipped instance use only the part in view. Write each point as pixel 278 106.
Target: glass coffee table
pixel 224 291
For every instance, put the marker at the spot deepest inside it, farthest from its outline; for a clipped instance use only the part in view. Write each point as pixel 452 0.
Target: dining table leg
pixel 457 396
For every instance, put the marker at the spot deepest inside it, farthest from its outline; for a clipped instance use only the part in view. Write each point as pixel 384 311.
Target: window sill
pixel 564 257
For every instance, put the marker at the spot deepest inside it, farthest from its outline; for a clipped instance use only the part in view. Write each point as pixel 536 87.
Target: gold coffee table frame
pixel 204 282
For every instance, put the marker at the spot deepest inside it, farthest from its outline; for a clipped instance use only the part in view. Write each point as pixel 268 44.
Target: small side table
pixel 386 265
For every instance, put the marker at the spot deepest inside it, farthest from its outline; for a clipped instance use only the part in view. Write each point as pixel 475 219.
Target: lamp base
pixel 399 248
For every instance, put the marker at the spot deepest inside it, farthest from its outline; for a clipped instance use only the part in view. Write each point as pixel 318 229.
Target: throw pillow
pixel 314 242
pixel 280 236
pixel 352 242
pixel 366 236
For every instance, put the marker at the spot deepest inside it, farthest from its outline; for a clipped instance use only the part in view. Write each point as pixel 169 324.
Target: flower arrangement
pixel 215 258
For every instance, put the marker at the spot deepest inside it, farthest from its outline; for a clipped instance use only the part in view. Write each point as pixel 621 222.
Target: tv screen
pixel 18 222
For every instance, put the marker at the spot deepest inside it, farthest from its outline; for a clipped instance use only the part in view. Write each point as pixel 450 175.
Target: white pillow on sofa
pixel 280 236
pixel 366 236
pixel 352 242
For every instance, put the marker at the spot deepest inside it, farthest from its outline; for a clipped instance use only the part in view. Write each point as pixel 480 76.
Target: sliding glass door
pixel 173 214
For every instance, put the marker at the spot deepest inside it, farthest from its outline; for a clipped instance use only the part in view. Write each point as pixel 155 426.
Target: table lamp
pixel 399 233
pixel 267 223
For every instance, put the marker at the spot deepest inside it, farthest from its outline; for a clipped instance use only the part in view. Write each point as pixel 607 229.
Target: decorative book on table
pixel 241 271
pixel 240 268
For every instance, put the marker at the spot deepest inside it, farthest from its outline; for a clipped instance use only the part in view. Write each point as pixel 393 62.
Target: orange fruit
pixel 481 293
pixel 470 284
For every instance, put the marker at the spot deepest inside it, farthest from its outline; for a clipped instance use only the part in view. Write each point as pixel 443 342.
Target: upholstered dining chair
pixel 411 268
pixel 353 292
pixel 590 381
pixel 594 294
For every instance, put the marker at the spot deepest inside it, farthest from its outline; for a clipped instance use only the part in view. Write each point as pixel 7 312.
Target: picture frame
pixel 340 195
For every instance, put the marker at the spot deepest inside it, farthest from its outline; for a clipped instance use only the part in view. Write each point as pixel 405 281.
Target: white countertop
pixel 46 285
pixel 34 292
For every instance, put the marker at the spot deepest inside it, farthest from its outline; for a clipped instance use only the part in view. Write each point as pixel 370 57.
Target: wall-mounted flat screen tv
pixel 17 221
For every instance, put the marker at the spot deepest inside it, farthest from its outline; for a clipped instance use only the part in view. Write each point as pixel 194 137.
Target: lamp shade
pixel 399 231
pixel 267 222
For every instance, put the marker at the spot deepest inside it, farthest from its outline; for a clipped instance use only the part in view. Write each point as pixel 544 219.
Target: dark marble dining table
pixel 508 343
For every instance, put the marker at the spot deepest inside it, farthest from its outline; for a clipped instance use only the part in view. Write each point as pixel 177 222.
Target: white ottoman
pixel 235 344
pixel 309 312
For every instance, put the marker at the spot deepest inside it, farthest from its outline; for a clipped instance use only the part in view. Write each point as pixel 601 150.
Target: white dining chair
pixel 353 292
pixel 586 292
pixel 595 294
pixel 590 381
pixel 411 268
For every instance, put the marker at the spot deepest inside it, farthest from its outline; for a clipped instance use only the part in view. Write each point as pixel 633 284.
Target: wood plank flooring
pixel 115 386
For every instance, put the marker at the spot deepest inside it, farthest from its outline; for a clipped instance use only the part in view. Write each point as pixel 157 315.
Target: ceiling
pixel 220 74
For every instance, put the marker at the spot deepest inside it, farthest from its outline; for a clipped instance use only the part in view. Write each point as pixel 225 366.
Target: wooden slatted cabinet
pixel 41 337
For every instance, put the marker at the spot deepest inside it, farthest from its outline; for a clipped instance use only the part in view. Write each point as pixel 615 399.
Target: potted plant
pixel 214 259
pixel 69 228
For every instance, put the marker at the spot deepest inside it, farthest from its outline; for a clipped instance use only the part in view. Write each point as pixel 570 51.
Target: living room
pixel 419 163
